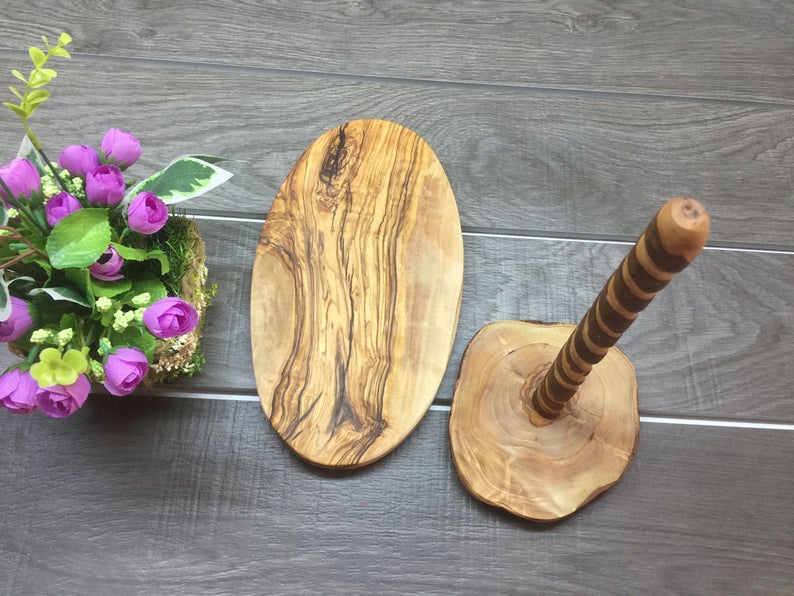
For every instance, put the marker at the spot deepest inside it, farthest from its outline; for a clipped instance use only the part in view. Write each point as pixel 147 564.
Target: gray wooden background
pixel 562 126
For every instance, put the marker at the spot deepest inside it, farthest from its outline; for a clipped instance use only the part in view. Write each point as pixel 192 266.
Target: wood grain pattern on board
pixel 355 293
pixel 540 471
pixel 578 392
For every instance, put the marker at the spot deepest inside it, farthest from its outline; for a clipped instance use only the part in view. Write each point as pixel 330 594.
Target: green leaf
pixel 184 178
pixel 140 254
pixel 46 41
pixel 135 337
pixel 68 321
pixel 44 264
pixel 146 283
pixel 60 52
pixel 22 285
pixel 32 109
pixel 81 279
pixel 18 110
pixel 5 298
pixel 3 214
pixel 20 76
pixel 79 239
pixel 208 158
pixel 16 92
pixel 110 288
pixel 28 151
pixel 36 97
pixel 64 39
pixel 41 76
pixel 65 293
pixel 38 57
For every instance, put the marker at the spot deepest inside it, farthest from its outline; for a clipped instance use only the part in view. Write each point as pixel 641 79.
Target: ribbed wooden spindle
pixel 671 241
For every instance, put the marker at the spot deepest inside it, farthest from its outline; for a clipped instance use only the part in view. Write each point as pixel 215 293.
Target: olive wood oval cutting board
pixel 355 293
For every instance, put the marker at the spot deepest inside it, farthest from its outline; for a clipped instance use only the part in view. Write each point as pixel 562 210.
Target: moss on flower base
pixel 181 355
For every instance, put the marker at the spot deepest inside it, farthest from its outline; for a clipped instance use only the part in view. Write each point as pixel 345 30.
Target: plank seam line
pixel 685 421
pixel 170 63
pixel 477 232
pixel 621 240
pixel 649 419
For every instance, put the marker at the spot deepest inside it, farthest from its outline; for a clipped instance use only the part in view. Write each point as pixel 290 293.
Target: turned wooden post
pixel 671 241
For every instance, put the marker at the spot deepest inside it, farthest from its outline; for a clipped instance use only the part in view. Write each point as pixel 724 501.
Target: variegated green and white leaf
pixel 23 285
pixel 184 178
pixel 5 298
pixel 66 293
pixel 213 159
pixel 27 151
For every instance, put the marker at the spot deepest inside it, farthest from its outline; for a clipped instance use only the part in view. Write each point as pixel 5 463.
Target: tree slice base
pixel 541 470
pixel 355 293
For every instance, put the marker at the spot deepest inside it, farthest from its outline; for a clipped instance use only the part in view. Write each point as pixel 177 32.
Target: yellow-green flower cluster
pixel 74 185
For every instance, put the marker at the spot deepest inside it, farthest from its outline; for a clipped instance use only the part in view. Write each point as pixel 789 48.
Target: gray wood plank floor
pixel 525 162
pixel 562 126
pixel 203 498
pixel 681 48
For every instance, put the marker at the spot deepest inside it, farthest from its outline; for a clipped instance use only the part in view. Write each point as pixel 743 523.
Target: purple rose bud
pixel 107 266
pixel 18 323
pixel 60 206
pixel 18 391
pixel 104 185
pixel 146 213
pixel 78 159
pixel 124 369
pixel 170 317
pixel 121 148
pixel 21 177
pixel 59 401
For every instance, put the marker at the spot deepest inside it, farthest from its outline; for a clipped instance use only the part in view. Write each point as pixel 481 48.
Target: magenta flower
pixel 78 159
pixel 170 317
pixel 18 391
pixel 146 213
pixel 124 369
pixel 18 323
pixel 121 148
pixel 60 401
pixel 21 177
pixel 107 266
pixel 104 185
pixel 60 206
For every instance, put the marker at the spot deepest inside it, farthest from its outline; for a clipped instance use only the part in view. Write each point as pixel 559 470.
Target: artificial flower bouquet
pixel 100 281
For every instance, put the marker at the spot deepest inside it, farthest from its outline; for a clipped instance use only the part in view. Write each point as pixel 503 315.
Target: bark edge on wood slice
pixel 541 472
pixel 355 295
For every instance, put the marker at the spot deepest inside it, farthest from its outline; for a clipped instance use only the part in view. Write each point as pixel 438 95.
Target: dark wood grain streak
pixel 675 236
pixel 355 293
pixel 713 329
pixel 554 164
pixel 153 496
pixel 682 48
pixel 570 118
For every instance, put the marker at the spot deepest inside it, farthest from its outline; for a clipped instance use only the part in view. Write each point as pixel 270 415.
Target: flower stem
pixel 15 235
pixel 23 209
pixel 37 146
pixel 34 351
pixel 5 188
pixel 17 259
